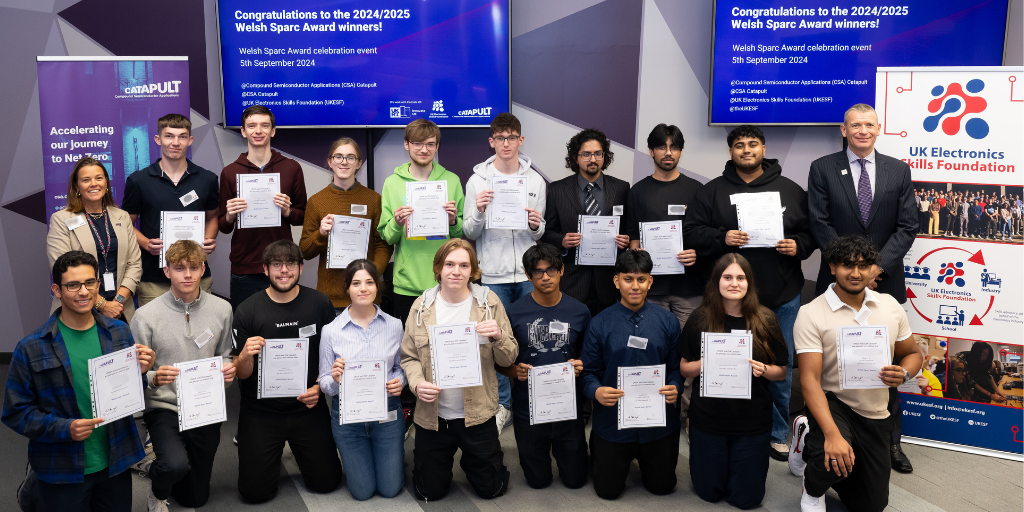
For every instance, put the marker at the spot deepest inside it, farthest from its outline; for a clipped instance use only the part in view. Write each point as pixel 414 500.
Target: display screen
pixel 807 61
pixel 366 63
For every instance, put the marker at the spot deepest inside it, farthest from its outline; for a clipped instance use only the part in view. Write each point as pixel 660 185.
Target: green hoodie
pixel 414 257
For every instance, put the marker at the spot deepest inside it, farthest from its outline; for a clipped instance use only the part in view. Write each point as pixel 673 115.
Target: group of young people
pixel 969 214
pixel 532 302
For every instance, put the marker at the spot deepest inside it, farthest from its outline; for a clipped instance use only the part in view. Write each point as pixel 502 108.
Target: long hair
pixel 74 201
pixel 758 318
pixel 976 365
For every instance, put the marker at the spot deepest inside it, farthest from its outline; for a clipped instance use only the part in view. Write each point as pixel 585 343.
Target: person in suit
pixel 862 192
pixel 92 223
pixel 589 191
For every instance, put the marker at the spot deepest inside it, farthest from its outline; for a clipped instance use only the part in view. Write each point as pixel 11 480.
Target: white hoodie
pixel 500 251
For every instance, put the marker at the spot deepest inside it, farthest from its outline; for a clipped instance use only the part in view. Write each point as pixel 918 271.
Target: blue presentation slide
pixel 366 63
pixel 807 61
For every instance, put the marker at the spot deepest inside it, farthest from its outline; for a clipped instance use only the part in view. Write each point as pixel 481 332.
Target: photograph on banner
pixel 983 372
pixel 928 381
pixel 958 211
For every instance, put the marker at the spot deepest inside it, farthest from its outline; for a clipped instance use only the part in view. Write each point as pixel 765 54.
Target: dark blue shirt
pixel 605 349
pixel 537 345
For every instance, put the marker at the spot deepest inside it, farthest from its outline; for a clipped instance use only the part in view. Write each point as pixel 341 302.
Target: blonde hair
pixel 453 245
pixel 184 251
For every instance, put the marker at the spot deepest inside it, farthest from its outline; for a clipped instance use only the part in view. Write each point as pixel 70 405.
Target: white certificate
pixel 283 364
pixel 115 381
pixel 863 351
pixel 258 190
pixel 508 207
pixel 176 226
pixel 455 354
pixel 200 389
pixel 427 199
pixel 552 393
pixel 348 240
pixel 725 365
pixel 363 392
pixel 642 405
pixel 760 217
pixel 663 241
pixel 597 240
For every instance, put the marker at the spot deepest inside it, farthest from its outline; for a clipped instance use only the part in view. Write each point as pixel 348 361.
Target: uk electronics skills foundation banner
pixel 107 108
pixel 960 129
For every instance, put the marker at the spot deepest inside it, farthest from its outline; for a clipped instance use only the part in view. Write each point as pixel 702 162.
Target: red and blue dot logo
pixel 949 100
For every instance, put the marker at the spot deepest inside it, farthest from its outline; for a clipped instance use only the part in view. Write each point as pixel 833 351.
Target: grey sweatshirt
pixel 162 326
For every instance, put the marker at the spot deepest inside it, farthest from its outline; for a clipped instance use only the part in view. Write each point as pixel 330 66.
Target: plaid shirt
pixel 39 403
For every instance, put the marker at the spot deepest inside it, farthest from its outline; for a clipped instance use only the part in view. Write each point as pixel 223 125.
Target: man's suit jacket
pixel 892 222
pixel 561 217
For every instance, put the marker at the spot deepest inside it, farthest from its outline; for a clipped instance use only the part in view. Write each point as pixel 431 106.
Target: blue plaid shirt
pixel 39 403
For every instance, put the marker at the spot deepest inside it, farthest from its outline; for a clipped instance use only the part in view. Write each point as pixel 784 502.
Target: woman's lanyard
pixel 103 248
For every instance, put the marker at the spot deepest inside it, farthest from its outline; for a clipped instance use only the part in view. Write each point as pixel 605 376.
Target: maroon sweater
pixel 247 245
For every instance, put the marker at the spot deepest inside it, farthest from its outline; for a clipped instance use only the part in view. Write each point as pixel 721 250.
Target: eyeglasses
pixel 538 273
pixel 596 155
pixel 278 265
pixel 74 286
pixel 420 145
pixel 501 140
pixel 339 158
pixel 665 149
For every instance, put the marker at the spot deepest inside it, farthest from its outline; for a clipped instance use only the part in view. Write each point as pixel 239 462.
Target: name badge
pixel 843 172
pixel 108 280
pixel 204 338
pixel 637 342
pixel 617 210
pixel 558 327
pixel 307 331
pixel 358 209
pixel 677 209
pixel 75 222
pixel 392 416
pixel 189 198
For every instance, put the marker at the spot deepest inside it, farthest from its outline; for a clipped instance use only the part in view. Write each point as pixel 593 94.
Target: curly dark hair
pixel 845 249
pixel 577 141
pixel 745 130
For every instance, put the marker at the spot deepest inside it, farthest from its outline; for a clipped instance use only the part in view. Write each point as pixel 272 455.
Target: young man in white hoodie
pixel 501 250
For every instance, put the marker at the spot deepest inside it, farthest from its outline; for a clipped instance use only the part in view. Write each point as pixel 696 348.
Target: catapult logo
pixel 952 99
pixel 476 112
pixel 169 88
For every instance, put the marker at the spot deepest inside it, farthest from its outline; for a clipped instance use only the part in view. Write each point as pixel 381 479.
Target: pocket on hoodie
pixel 498 256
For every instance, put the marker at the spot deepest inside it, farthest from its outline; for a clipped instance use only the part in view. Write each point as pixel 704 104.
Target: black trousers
pixel 729 466
pixel 261 438
pixel 184 460
pixel 867 486
pixel 609 464
pixel 896 413
pixel 403 305
pixel 100 492
pixel 244 286
pixel 565 440
pixel 482 459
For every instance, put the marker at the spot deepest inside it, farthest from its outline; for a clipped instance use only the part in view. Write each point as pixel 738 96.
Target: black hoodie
pixel 778 278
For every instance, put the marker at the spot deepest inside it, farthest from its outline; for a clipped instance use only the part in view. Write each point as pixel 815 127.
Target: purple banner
pixel 107 109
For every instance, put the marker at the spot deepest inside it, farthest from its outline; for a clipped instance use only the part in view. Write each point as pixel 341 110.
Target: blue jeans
pixel 729 467
pixel 781 390
pixel 372 453
pixel 508 293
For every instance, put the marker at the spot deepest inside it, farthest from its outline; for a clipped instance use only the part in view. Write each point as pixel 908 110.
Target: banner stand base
pixel 963 448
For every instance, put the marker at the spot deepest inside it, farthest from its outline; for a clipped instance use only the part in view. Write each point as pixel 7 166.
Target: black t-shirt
pixel 537 345
pixel 147 192
pixel 261 316
pixel 731 415
pixel 648 201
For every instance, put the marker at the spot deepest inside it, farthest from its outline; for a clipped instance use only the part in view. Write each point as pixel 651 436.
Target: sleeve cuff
pixel 905 337
pixel 809 351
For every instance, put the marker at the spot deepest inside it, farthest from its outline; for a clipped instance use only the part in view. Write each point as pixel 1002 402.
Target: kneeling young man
pixel 184 324
pixel 848 425
pixel 457 418
pixel 632 332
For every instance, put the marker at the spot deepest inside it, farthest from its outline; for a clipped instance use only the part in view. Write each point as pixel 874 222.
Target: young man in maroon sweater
pixel 247 244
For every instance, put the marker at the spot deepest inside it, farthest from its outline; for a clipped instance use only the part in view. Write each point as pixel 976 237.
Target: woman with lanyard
pixel 372 452
pixel 729 436
pixel 90 222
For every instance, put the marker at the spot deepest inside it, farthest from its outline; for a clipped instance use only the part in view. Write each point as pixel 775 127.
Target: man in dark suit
pixel 862 192
pixel 589 191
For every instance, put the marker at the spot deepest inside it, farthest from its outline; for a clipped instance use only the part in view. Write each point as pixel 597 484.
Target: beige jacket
pixel 60 239
pixel 481 402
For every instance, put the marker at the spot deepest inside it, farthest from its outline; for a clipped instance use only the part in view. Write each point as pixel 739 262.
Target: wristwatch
pixel 120 298
pixel 906 374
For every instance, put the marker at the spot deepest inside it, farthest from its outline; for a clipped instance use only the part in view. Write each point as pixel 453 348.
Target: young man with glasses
pixel 75 465
pixel 501 250
pixel 286 310
pixel 247 245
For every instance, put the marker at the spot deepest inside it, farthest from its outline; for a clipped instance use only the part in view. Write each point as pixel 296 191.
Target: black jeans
pixel 244 286
pixel 184 460
pixel 609 464
pixel 100 492
pixel 729 467
pixel 482 459
pixel 403 305
pixel 896 413
pixel 261 438
pixel 867 486
pixel 565 440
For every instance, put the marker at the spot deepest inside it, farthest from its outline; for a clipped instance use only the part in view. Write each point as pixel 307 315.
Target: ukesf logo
pixel 952 99
pixel 169 87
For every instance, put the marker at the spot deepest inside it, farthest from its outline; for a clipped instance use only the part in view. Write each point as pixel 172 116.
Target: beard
pixel 280 289
pixel 850 290
pixel 662 165
pixel 748 168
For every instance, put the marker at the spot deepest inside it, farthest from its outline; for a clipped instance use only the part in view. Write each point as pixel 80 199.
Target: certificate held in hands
pixel 508 207
pixel 115 381
pixel 347 241
pixel 863 351
pixel 455 356
pixel 429 217
pixel 176 226
pixel 362 395
pixel 597 240
pixel 200 390
pixel 642 405
pixel 552 393
pixel 663 241
pixel 283 365
pixel 725 368
pixel 259 190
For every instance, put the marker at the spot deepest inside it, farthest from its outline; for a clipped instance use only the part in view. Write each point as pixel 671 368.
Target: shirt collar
pixel 345 318
pixel 852 157
pixel 582 182
pixel 836 303
pixel 628 313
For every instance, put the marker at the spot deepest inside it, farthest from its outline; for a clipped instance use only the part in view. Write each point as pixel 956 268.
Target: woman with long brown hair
pixel 729 438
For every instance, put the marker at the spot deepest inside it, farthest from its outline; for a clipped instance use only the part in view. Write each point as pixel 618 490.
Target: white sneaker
pixel 503 418
pixel 796 448
pixel 155 505
pixel 809 503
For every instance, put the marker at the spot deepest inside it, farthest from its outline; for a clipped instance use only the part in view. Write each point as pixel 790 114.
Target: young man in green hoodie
pixel 413 273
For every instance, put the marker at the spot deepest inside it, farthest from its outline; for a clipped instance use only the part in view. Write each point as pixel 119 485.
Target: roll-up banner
pixel 960 130
pixel 106 108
